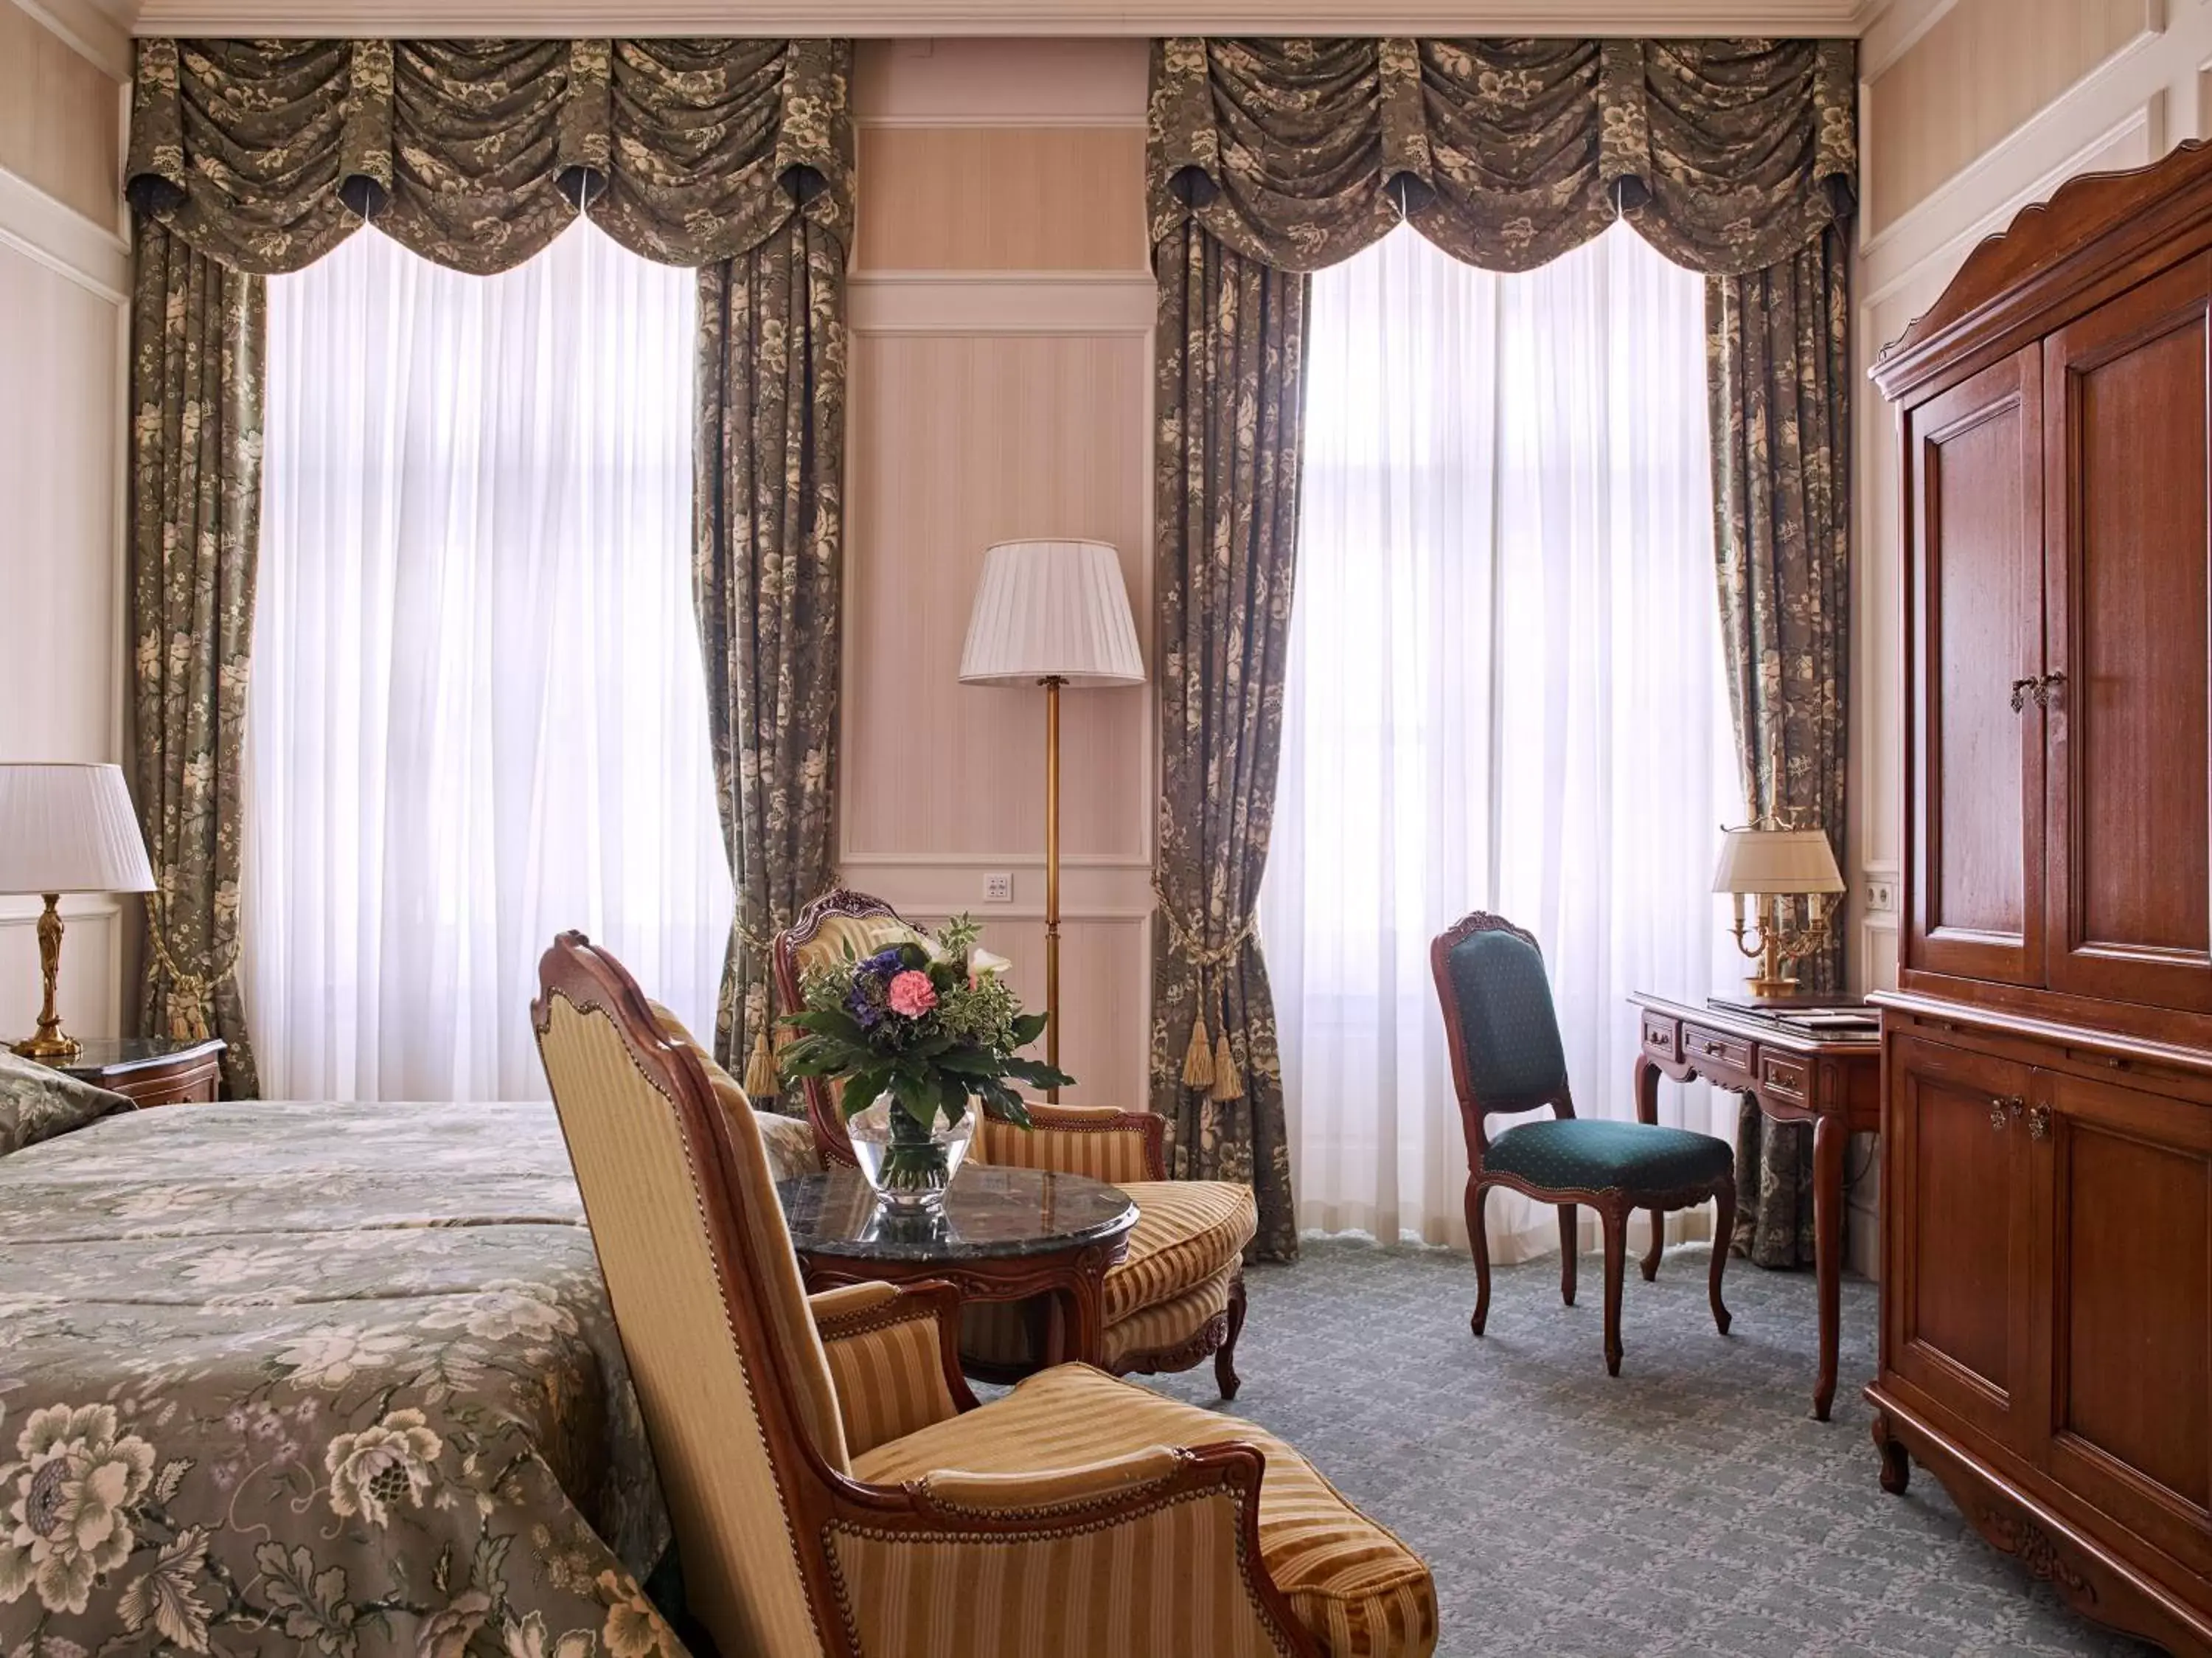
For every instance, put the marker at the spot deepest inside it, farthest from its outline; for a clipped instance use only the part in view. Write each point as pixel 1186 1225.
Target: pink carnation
pixel 912 994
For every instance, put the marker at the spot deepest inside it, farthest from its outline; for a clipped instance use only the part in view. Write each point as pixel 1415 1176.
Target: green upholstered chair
pixel 1506 1057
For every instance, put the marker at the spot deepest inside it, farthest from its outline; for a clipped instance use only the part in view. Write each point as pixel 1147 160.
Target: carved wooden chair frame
pixel 816 1497
pixel 1614 1205
pixel 1216 1337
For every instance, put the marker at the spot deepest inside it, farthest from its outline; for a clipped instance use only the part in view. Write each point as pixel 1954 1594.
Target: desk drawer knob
pixel 2039 1122
pixel 1713 1049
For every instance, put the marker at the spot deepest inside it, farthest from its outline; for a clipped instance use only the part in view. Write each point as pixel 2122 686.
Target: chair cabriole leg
pixel 1478 1241
pixel 1615 1217
pixel 1567 1229
pixel 1225 1358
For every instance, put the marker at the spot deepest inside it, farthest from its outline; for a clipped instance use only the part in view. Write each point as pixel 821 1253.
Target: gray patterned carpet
pixel 1691 1506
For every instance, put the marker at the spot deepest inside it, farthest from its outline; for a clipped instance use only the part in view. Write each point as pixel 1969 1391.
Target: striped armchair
pixel 836 1490
pixel 1177 1296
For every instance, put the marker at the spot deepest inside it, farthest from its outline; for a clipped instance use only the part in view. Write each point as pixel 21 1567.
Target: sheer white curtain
pixel 1504 693
pixel 476 714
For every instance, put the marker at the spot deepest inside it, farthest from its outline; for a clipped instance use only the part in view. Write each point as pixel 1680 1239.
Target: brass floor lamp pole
pixel 1052 684
pixel 1051 613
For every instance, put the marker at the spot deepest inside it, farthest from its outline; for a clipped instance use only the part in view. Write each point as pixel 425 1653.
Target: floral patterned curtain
pixel 252 157
pixel 476 153
pixel 197 333
pixel 1728 156
pixel 1232 339
pixel 1737 158
pixel 1778 362
pixel 769 575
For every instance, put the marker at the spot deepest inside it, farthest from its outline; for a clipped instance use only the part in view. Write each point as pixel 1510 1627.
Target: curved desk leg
pixel 1829 1136
pixel 1647 1111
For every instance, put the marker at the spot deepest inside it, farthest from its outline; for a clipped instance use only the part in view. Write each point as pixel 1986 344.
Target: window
pixel 1505 692
pixel 476 715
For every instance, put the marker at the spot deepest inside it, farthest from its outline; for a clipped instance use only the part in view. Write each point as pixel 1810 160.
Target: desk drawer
pixel 1780 1075
pixel 1662 1037
pixel 1716 1052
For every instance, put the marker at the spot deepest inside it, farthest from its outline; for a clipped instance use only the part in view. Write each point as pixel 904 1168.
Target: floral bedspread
pixel 330 1380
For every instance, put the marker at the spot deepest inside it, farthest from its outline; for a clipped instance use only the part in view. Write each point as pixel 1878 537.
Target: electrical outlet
pixel 998 889
pixel 1881 896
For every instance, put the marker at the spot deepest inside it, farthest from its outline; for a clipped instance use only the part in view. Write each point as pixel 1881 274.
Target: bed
pixel 324 1379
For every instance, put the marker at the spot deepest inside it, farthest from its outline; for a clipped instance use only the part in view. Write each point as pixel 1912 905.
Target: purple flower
pixel 869 1011
pixel 883 964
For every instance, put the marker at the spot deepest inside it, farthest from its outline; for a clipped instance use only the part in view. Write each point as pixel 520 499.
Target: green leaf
pixel 970 1061
pixel 861 1088
pixel 830 1022
pixel 1028 1027
pixel 1038 1075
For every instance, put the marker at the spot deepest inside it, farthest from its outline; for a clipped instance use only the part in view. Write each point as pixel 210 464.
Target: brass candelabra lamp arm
pixel 1781 945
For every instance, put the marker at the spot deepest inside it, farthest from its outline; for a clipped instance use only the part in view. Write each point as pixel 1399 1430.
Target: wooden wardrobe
pixel 2046 1188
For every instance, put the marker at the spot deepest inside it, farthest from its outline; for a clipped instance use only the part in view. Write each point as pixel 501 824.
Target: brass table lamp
pixel 1769 860
pixel 66 829
pixel 1051 613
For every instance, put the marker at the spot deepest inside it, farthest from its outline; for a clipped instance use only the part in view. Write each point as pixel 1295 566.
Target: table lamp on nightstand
pixel 66 829
pixel 1770 860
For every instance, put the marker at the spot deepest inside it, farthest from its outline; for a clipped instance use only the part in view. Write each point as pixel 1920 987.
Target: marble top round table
pixel 1005 1235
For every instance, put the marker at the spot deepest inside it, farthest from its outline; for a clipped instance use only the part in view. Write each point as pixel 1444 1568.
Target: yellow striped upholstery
pixel 694 1386
pixel 1169 1324
pixel 1169 1585
pixel 866 935
pixel 789 1141
pixel 1185 1232
pixel 1071 1139
pixel 885 1361
pixel 1362 1592
pixel 1183 1255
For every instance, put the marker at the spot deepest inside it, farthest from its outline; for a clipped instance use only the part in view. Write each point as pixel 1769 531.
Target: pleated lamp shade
pixel 70 829
pixel 1777 862
pixel 1051 610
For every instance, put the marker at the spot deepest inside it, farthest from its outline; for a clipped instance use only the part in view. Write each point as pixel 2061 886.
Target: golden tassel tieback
pixel 761 1081
pixel 190 1003
pixel 760 1070
pixel 1209 1064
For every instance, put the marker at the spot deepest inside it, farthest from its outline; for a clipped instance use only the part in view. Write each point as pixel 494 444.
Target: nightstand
pixel 151 1071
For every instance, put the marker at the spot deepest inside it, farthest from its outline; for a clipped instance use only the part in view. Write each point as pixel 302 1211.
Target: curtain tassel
pixel 760 1069
pixel 1227 1083
pixel 1197 1057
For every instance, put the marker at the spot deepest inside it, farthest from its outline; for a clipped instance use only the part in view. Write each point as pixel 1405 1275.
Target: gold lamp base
pixel 51 1044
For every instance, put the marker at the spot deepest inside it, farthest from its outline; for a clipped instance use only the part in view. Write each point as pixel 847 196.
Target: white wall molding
pixel 2032 152
pixel 1895 30
pixel 92 33
pixel 57 236
pixel 1000 302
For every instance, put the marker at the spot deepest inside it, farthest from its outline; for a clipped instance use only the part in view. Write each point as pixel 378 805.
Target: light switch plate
pixel 998 889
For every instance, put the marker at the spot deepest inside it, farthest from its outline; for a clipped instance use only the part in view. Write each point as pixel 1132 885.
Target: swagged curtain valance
pixel 476 153
pixel 1727 156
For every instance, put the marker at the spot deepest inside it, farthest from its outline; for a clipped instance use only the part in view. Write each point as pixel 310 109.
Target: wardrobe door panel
pixel 1955 1200
pixel 2128 1175
pixel 1973 459
pixel 2129 578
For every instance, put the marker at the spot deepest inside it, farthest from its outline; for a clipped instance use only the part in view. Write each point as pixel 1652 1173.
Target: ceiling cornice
pixel 945 18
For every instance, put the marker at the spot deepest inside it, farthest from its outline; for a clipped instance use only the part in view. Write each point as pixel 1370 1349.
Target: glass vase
pixel 909 1164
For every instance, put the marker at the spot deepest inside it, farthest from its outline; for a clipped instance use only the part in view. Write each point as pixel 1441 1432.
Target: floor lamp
pixel 1051 613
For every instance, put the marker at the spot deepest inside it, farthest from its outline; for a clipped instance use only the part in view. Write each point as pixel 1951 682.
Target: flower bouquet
pixel 913 1032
